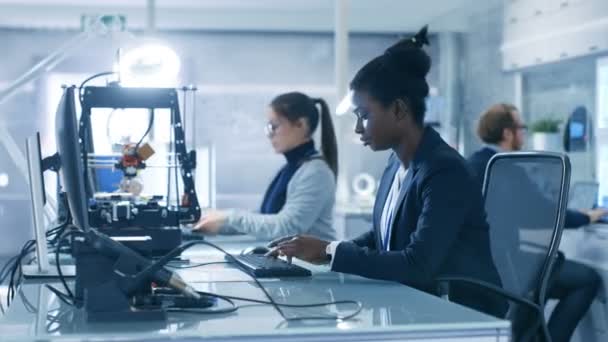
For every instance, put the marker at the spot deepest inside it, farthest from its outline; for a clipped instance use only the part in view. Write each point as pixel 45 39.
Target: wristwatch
pixel 328 252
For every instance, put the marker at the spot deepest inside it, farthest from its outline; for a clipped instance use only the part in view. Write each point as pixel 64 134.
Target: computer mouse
pixel 192 235
pixel 255 250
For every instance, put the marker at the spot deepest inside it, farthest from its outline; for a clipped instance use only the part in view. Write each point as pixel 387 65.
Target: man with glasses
pixel 575 285
pixel 502 130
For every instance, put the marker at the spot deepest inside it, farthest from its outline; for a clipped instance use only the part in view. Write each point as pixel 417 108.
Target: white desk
pixel 392 312
pixel 589 246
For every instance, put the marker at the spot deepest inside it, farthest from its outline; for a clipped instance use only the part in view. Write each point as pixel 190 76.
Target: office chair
pixel 525 196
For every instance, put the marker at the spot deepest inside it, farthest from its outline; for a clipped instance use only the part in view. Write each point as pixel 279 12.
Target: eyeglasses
pixel 271 128
pixel 522 127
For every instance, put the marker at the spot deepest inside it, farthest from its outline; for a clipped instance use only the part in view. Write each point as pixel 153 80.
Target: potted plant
pixel 545 135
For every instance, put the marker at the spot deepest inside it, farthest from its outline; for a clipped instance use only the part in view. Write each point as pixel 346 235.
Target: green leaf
pixel 546 125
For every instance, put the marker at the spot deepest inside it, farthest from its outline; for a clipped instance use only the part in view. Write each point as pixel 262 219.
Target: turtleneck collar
pixel 296 154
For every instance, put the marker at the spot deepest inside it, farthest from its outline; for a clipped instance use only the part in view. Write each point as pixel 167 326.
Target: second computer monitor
pixel 72 170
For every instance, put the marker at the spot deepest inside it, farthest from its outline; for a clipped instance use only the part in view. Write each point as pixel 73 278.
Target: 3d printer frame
pixel 188 210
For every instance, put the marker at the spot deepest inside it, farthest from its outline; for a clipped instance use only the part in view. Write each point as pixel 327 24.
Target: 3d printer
pixel 148 224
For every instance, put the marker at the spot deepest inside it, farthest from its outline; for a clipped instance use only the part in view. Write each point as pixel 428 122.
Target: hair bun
pixel 406 58
pixel 415 42
pixel 407 55
pixel 399 73
pixel 421 38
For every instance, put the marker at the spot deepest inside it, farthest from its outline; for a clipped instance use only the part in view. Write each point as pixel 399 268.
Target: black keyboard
pixel 267 267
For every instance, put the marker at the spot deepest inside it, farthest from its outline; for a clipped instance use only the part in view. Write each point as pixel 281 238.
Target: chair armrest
pixel 492 288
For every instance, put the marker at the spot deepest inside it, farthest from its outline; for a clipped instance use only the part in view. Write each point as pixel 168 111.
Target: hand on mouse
pixel 211 222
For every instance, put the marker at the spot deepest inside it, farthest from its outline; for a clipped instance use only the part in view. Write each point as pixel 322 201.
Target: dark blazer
pixel 479 161
pixel 439 228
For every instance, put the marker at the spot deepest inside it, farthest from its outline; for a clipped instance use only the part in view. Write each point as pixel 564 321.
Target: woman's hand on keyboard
pixel 303 247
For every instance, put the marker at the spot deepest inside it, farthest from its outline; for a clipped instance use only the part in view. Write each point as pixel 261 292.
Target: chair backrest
pixel 525 197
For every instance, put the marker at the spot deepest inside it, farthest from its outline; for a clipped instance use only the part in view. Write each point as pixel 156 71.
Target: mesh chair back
pixel 525 200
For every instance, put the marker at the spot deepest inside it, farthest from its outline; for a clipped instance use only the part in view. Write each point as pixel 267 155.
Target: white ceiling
pixel 257 15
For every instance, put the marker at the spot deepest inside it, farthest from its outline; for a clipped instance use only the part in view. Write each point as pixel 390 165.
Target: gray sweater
pixel 308 209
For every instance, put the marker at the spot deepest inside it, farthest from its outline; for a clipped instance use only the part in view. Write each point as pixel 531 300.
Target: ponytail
pixel 329 145
pixel 295 106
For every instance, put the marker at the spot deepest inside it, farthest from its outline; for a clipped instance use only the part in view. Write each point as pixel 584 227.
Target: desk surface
pixel 594 238
pixel 589 245
pixel 391 312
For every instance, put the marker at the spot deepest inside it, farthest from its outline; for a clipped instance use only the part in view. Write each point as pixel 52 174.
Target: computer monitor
pixel 583 195
pixel 72 170
pixel 41 267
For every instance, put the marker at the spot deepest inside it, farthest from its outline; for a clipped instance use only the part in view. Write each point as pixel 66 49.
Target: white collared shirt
pixel 386 220
pixel 388 212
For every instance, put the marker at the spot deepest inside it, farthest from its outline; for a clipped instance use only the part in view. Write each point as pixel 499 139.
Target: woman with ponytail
pixel 301 197
pixel 429 219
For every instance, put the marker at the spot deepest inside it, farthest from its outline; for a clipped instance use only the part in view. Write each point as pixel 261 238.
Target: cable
pixel 57 319
pixel 241 266
pixel 150 124
pixel 62 296
pixel 7 268
pixel 300 306
pixel 58 265
pixel 205 311
pixel 57 231
pixel 68 297
pixel 271 301
pixel 16 271
pixel 26 303
pixel 15 278
pixel 13 270
pixel 108 121
pixel 232 308
pixel 84 126
pixel 197 265
pixel 87 80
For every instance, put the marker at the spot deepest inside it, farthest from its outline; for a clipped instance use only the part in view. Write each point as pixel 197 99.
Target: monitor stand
pixel 34 270
pixel 41 267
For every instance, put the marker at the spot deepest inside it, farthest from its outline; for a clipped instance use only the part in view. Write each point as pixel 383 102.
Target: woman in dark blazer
pixel 429 218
